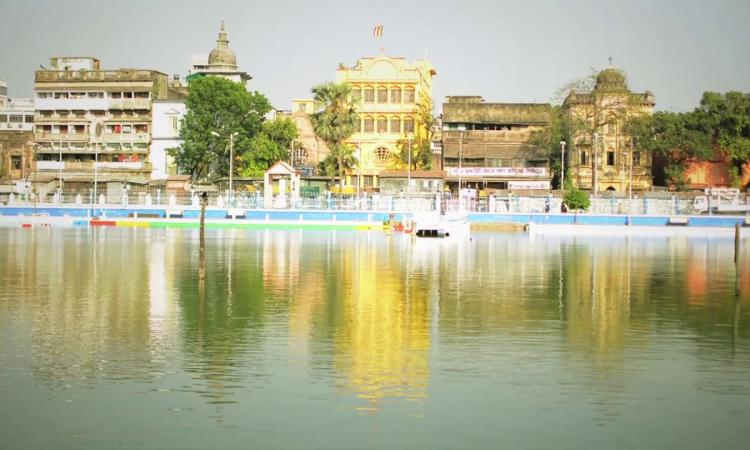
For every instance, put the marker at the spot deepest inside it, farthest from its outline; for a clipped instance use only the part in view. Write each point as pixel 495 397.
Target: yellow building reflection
pixel 383 343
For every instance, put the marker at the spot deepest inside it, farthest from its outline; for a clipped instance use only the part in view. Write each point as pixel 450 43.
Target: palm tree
pixel 334 119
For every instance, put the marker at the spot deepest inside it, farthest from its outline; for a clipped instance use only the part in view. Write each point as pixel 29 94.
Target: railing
pixel 96 75
pixel 126 137
pixel 62 137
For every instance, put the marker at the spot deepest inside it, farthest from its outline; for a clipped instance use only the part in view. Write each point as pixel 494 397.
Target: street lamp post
pixel 596 162
pixel 630 184
pixel 231 160
pixel 408 176
pixel 562 166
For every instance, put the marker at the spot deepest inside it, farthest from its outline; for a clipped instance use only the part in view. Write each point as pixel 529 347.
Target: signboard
pixel 469 172
pixel 528 185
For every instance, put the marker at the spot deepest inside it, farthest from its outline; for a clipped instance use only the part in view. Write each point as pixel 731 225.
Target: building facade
pixel 221 62
pixel 486 146
pixel 87 118
pixel 16 135
pixel 390 93
pixel 602 156
pixel 308 150
pixel 166 119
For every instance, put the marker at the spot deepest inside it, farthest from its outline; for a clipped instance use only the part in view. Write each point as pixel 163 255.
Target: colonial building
pixel 85 114
pixel 16 138
pixel 487 145
pixel 390 92
pixel 308 150
pixel 221 62
pixel 602 156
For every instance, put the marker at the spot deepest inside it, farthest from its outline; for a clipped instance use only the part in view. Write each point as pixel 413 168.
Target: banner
pixel 518 185
pixel 532 172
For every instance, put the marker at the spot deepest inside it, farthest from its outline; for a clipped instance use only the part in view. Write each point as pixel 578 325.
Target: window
pixel 395 95
pixel 127 95
pixel 16 118
pixel 358 125
pixel 300 156
pixel 369 125
pixel 409 95
pixel 611 127
pixel 41 95
pixel 611 157
pixel 395 125
pixel 61 95
pixel 369 95
pixel 3 117
pixel 15 163
pixel 636 158
pixel 382 95
pixel 382 154
pixel 141 95
pixel 127 128
pixel 584 158
pixel 408 125
pixel 382 125
pixel 175 124
pixel 356 94
pixel 115 94
pixel 96 94
pixel 29 118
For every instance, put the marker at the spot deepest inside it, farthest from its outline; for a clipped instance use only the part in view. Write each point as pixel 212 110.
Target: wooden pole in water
pixel 202 251
pixel 737 259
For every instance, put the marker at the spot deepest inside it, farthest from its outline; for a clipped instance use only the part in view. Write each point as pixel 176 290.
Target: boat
pixel 435 225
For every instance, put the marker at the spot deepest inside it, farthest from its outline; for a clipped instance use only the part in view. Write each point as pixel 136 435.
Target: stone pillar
pixel 267 191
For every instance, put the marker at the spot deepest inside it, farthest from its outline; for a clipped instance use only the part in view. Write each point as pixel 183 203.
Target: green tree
pixel 334 119
pixel 726 117
pixel 576 199
pixel 674 139
pixel 340 159
pixel 549 138
pixel 272 144
pixel 222 106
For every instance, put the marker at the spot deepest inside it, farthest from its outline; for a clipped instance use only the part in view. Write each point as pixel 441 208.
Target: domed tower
pixel 611 80
pixel 221 62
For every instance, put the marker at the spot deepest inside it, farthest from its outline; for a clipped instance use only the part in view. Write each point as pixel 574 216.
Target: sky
pixel 505 51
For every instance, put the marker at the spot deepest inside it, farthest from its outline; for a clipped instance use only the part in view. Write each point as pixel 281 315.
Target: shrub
pixel 576 199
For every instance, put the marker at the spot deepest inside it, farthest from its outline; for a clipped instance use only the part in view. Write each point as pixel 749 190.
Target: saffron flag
pixel 378 31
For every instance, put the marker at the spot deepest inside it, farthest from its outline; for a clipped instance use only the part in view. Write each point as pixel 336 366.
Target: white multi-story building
pixel 166 119
pixel 87 118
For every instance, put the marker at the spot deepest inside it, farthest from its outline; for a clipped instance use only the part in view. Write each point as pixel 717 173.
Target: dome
pixel 611 80
pixel 222 55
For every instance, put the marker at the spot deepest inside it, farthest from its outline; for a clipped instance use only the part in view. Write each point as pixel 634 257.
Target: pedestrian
pixel 563 207
pixel 546 206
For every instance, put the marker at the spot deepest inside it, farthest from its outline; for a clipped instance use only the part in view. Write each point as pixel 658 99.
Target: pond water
pixel 301 339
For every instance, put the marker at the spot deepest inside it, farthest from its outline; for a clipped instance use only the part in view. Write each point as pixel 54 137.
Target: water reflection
pixel 383 322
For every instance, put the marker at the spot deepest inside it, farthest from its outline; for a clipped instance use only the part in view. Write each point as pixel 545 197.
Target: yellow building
pixel 603 156
pixel 389 93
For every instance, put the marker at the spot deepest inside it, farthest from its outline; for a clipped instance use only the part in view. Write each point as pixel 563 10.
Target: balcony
pixel 129 103
pixel 52 76
pixel 88 166
pixel 62 137
pixel 126 137
pixel 82 104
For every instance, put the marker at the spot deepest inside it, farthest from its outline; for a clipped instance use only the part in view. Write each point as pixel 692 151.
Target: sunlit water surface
pixel 353 340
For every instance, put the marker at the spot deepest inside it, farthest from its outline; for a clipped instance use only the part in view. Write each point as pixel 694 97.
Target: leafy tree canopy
pixel 334 118
pixel 272 144
pixel 225 107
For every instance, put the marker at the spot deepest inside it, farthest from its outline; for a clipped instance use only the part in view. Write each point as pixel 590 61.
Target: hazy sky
pixel 520 51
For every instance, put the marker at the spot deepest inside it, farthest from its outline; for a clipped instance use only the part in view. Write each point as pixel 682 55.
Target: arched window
pixel 409 95
pixel 300 156
pixel 395 95
pixel 357 125
pixel 369 124
pixel 356 93
pixel 395 125
pixel 369 94
pixel 382 124
pixel 408 125
pixel 584 158
pixel 382 94
pixel 382 154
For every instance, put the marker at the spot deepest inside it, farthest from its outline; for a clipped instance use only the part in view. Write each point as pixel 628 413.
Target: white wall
pixel 163 135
